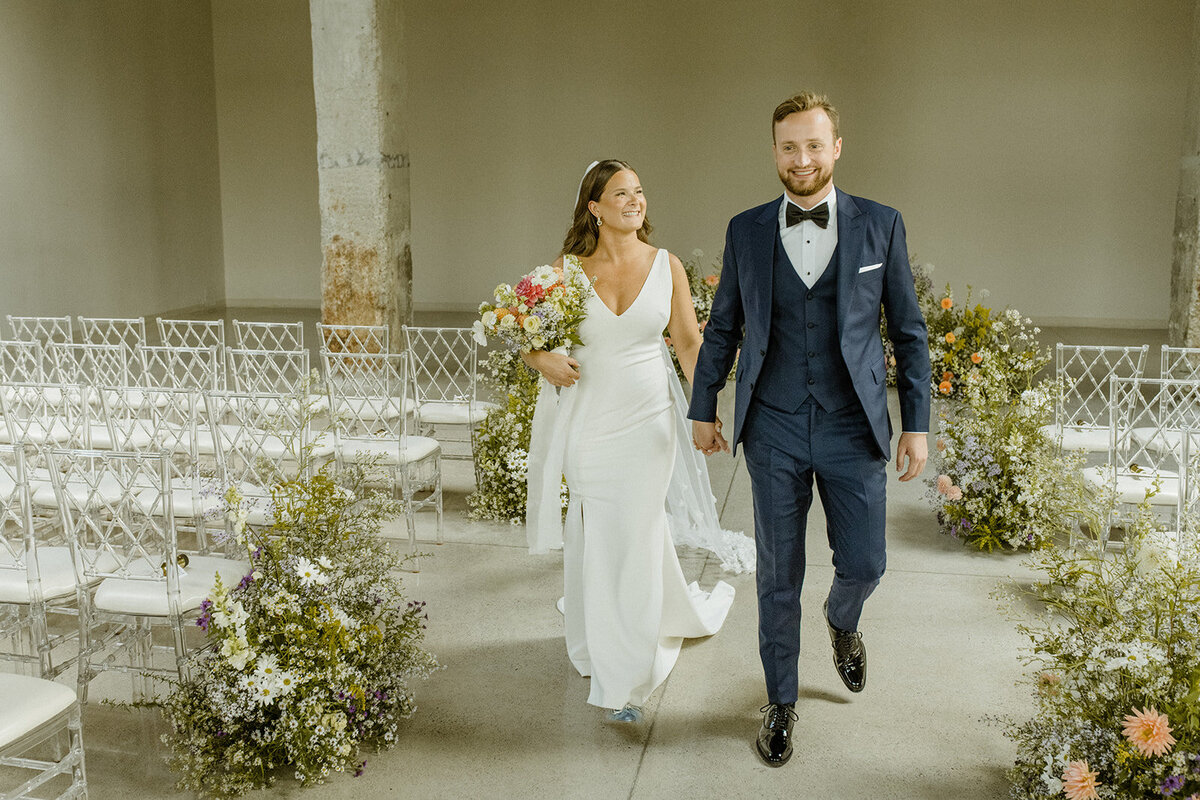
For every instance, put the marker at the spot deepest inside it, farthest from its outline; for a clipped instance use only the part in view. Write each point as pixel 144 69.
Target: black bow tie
pixel 819 215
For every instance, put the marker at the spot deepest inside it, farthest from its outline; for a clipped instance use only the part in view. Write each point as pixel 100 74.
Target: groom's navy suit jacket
pixel 869 234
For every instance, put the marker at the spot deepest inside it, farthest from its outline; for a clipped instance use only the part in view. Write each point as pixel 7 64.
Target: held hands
pixel 916 448
pixel 558 369
pixel 707 438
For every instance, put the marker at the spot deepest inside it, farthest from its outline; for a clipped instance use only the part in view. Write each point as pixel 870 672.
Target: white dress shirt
pixel 809 246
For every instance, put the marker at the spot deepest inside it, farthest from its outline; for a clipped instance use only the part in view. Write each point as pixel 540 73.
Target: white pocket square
pixel 870 267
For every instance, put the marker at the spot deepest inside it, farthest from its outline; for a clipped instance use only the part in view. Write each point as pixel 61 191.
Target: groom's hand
pixel 707 438
pixel 916 448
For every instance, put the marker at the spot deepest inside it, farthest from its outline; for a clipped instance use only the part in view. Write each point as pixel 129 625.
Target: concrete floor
pixel 507 716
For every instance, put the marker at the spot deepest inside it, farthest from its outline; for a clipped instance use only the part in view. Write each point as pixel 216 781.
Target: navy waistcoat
pixel 803 356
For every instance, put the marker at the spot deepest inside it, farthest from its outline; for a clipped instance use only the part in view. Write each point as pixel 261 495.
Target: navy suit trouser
pixel 784 452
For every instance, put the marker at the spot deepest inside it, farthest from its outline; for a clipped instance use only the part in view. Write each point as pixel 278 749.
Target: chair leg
pixel 440 514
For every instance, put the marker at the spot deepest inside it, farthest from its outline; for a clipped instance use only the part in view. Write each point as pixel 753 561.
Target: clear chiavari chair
pixel 268 335
pixel 274 375
pixel 119 504
pixel 1147 420
pixel 130 333
pixel 37 578
pixel 1081 411
pixel 443 364
pixel 366 393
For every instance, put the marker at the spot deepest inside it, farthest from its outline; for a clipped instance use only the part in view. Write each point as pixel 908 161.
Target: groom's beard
pixel 807 188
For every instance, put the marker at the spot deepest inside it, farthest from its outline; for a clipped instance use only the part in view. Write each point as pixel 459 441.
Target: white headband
pixel 591 166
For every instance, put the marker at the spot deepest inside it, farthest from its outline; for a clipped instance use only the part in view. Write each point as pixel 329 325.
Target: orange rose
pixel 947 303
pixel 947 375
pixel 950 337
pixel 712 280
pixel 520 319
pixel 976 358
pixel 501 313
pixel 945 388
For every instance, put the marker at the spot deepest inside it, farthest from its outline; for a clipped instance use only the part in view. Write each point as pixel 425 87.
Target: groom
pixel 802 283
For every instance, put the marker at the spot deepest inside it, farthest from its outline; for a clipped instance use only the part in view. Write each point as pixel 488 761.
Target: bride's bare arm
pixel 556 368
pixel 685 332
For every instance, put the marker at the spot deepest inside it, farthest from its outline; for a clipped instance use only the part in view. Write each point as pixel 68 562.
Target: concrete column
pixel 1184 322
pixel 362 161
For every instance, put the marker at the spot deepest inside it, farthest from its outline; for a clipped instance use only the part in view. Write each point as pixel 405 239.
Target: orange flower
pixel 947 375
pixel 712 280
pixel 667 341
pixel 520 319
pixel 950 337
pixel 945 387
pixel 976 357
pixel 501 313
pixel 1079 781
pixel 1148 731
pixel 941 444
pixel 947 303
pixel 943 484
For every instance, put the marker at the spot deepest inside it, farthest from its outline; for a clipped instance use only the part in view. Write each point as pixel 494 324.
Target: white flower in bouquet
pixel 543 311
pixel 237 652
pixel 309 574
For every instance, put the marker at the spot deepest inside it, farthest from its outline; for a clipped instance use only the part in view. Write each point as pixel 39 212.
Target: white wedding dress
pixel 626 604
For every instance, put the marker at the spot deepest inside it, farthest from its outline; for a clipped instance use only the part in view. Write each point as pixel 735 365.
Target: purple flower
pixel 1171 785
pixel 205 617
pixel 358 772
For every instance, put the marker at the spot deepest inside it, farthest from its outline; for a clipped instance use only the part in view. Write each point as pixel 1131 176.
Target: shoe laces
pixel 847 646
pixel 777 715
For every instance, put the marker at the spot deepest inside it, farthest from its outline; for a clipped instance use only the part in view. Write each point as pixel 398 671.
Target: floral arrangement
pixel 1115 672
pixel 960 337
pixel 542 312
pixel 310 657
pixel 999 483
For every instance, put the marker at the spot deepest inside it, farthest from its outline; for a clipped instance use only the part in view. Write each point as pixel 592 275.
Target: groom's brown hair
pixel 805 101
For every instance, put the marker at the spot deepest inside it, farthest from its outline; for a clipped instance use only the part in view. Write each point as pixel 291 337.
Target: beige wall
pixel 267 127
pixel 109 200
pixel 1033 147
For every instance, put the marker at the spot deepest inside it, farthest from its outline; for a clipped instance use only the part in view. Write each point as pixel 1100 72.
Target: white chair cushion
pixel 388 452
pixel 38 432
pixel 42 491
pixel 455 413
pixel 1165 440
pixel 135 434
pixel 29 703
pixel 1132 488
pixel 183 502
pixel 54 565
pixel 149 597
pixel 1091 440
pixel 272 446
pixel 52 395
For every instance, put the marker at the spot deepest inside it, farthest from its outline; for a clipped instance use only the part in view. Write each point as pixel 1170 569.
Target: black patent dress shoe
pixel 849 655
pixel 775 735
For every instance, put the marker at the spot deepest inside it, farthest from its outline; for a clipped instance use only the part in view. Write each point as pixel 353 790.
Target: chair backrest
pixel 367 392
pixel 1147 417
pixel 268 335
pixel 92 364
pixel 1085 372
pixel 1180 363
pixel 282 372
pixel 195 368
pixel 116 508
pixel 442 364
pixel 129 333
pixel 354 338
pixel 41 329
pixel 23 362
pixel 47 413
pixel 260 440
pixel 195 333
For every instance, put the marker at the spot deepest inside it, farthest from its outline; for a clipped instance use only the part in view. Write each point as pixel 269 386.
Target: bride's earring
pixel 599 222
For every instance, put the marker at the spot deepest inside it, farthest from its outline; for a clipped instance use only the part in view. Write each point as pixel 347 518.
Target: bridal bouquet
pixel 542 312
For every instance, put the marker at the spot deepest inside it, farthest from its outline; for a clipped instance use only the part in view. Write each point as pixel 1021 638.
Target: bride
pixel 614 429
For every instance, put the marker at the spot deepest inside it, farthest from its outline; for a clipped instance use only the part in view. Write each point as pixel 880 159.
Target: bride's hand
pixel 558 369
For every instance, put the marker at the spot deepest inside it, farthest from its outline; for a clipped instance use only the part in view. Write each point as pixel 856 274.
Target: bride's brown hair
pixel 584 234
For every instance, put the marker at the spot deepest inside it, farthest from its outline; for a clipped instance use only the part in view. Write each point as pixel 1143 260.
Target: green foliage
pixel 502 441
